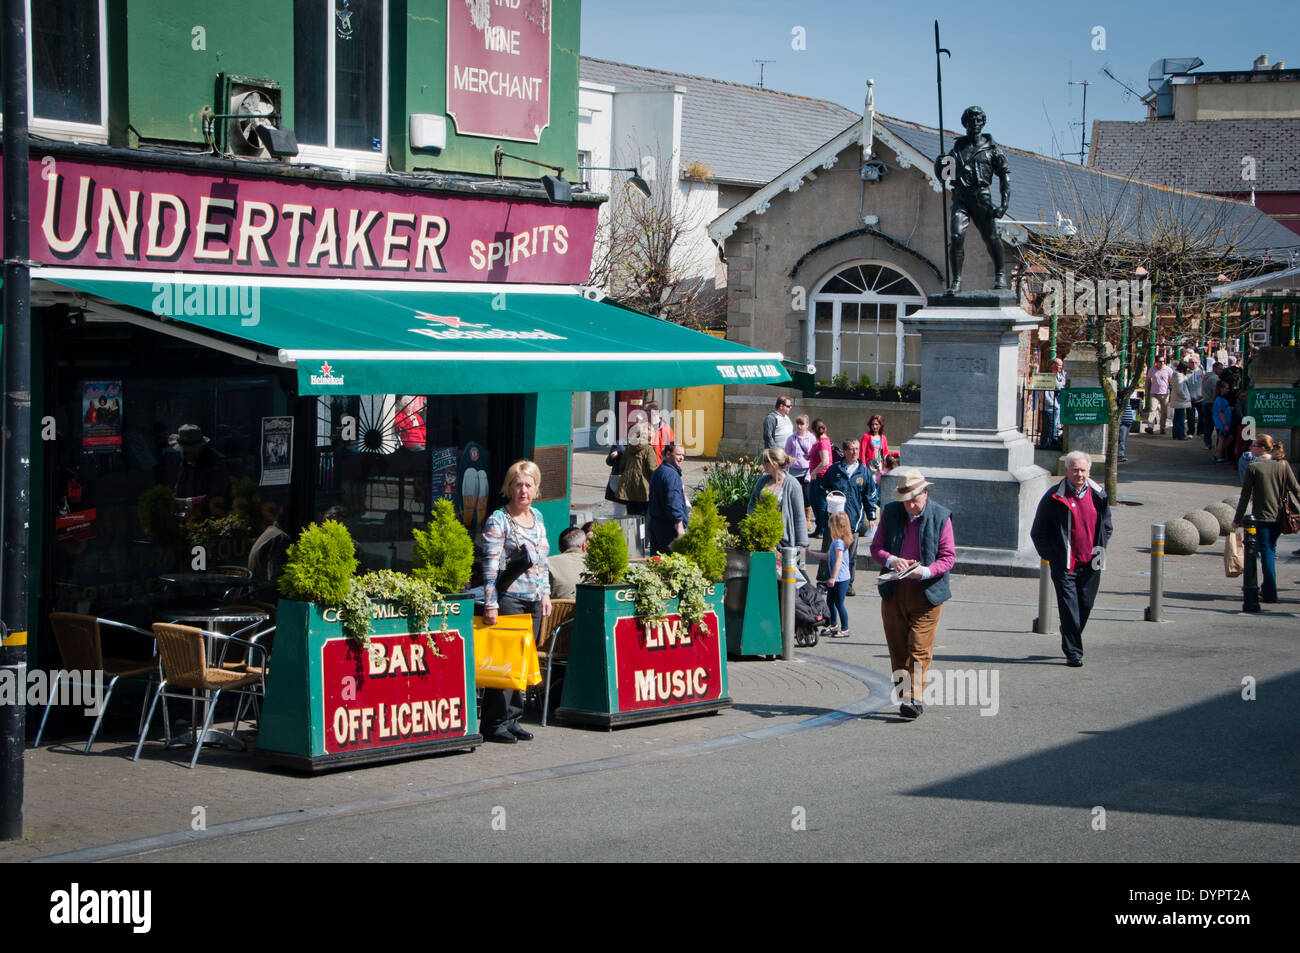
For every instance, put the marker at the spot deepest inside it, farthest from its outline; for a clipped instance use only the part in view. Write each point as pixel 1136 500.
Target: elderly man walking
pixel 1071 529
pixel 915 541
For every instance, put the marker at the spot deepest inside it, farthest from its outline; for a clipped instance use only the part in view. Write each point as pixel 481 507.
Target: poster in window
pixel 277 450
pixel 443 484
pixel 101 415
pixel 473 487
pixel 410 421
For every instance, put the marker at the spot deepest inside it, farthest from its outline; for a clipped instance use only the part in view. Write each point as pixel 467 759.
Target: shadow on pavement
pixel 1225 759
pixel 781 711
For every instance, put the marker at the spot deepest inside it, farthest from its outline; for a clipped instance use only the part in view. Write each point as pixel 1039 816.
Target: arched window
pixel 855 329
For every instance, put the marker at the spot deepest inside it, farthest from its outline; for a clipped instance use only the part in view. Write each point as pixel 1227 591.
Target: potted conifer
pixel 648 637
pixel 372 667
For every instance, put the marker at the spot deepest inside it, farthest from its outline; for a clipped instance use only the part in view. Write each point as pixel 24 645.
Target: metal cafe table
pixel 207 618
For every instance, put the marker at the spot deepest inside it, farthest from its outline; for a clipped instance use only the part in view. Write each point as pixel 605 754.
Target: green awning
pixel 397 337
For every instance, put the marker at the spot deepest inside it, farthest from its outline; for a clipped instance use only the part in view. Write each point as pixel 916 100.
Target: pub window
pixel 340 81
pixel 67 76
pixel 382 460
pixel 856 331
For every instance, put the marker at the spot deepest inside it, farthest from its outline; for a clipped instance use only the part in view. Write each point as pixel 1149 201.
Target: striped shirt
pixel 501 537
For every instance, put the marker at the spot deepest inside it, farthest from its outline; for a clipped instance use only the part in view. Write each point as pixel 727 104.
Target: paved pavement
pixel 1154 728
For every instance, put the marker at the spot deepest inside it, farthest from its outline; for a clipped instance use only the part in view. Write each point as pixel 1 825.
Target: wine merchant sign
pixel 499 68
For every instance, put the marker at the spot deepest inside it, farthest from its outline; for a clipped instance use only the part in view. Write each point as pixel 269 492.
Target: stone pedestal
pixel 1081 368
pixel 1278 367
pixel 969 444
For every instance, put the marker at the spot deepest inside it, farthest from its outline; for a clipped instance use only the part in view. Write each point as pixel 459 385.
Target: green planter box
pixel 619 673
pixel 753 604
pixel 330 704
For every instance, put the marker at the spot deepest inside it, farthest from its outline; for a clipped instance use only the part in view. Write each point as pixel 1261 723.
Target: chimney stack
pixel 1261 61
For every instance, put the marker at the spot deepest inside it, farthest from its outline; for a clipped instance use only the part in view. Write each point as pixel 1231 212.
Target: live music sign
pixel 666 663
pixel 499 68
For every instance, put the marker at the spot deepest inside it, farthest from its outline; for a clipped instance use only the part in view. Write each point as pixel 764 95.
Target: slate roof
pixel 1201 155
pixel 747 135
pixel 1042 186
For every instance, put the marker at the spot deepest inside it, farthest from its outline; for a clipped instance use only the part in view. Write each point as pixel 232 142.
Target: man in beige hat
pixel 915 542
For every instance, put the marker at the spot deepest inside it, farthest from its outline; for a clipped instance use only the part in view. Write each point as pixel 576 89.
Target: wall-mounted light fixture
pixel 559 191
pixel 638 183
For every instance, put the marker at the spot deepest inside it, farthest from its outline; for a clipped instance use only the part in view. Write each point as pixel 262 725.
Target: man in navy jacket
pixel 1071 529
pixel 858 485
pixel 666 515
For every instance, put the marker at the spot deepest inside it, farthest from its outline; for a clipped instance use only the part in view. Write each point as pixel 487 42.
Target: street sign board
pixel 1274 407
pixel 1084 405
pixel 1043 380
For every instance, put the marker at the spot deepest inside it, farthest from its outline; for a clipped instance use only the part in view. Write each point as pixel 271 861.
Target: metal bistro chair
pixel 82 650
pixel 183 659
pixel 238 590
pixel 553 645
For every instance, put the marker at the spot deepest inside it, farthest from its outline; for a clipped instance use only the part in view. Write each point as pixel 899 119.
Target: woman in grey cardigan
pixel 789 494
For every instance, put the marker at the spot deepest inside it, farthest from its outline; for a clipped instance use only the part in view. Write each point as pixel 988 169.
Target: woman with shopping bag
pixel 515 582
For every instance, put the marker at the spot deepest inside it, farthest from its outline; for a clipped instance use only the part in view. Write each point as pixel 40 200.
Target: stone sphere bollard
pixel 1224 514
pixel 1231 501
pixel 1181 538
pixel 1206 525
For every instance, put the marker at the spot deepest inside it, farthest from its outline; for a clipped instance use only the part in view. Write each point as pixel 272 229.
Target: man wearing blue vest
pixel 915 542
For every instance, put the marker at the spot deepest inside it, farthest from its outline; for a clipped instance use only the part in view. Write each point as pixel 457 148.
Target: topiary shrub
pixel 761 530
pixel 705 541
pixel 606 555
pixel 444 553
pixel 320 565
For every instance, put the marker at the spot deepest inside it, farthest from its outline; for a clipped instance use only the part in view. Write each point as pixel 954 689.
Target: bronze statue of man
pixel 971 165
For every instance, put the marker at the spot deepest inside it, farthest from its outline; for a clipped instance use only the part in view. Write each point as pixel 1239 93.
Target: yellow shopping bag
pixel 505 654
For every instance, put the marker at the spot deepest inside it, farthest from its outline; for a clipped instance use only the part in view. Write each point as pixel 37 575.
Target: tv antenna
pixel 1083 123
pixel 1130 89
pixel 761 65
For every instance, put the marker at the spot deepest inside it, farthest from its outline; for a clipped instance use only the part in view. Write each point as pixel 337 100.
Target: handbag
pixel 505 654
pixel 1234 559
pixel 1288 515
pixel 517 563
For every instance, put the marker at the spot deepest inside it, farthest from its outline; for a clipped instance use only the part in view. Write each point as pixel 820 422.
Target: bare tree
pixel 1096 278
pixel 652 254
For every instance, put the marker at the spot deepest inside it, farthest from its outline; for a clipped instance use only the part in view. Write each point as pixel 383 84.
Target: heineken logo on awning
pixel 326 377
pixel 456 329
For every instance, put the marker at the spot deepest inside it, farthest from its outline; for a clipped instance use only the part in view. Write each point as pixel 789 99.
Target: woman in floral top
pixel 514 528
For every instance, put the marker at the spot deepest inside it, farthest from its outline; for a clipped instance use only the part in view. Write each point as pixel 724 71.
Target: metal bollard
pixel 1152 613
pixel 1250 575
pixel 1043 622
pixel 789 592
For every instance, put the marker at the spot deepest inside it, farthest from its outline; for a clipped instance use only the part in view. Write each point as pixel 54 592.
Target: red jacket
pixel 866 452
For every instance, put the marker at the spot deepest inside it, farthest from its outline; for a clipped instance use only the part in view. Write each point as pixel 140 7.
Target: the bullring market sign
pixel 1274 407
pixel 110 216
pixel 1084 405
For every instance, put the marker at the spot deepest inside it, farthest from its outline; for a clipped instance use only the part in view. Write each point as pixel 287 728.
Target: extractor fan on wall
pixel 252 123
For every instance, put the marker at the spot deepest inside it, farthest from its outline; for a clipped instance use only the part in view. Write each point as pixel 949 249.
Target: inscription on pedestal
pixel 961 365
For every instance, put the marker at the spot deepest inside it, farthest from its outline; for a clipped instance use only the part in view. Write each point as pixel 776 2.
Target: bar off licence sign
pixel 396 693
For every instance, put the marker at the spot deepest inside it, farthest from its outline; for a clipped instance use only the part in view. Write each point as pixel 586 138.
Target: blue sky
pixel 1015 59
